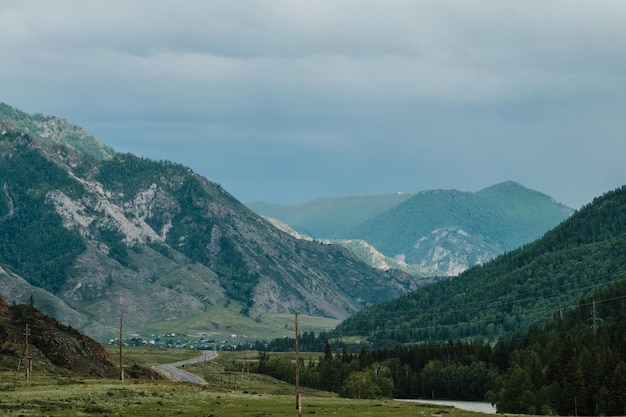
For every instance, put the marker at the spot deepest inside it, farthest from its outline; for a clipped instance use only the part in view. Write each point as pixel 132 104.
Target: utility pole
pixel 595 319
pixel 27 356
pixel 298 397
pixel 121 354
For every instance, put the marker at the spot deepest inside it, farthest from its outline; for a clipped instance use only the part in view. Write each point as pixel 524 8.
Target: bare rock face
pixel 453 250
pixel 66 347
pixel 114 233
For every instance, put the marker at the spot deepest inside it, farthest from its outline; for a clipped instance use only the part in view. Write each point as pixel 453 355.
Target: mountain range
pixel 90 233
pixel 523 287
pixel 438 232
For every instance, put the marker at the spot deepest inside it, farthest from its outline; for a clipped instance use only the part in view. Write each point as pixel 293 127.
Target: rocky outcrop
pixel 158 242
pixel 55 347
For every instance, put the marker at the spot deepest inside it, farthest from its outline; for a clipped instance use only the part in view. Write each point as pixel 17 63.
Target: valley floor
pixel 91 397
pixel 230 391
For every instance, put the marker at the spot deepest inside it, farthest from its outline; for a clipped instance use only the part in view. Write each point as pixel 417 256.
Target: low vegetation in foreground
pixel 230 393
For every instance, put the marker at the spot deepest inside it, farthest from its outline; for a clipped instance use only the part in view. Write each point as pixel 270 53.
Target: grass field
pixel 90 397
pixel 230 393
pixel 219 322
pixel 149 356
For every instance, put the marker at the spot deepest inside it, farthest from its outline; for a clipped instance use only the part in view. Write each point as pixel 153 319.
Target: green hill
pixel 515 290
pixel 477 226
pixel 441 231
pixel 330 217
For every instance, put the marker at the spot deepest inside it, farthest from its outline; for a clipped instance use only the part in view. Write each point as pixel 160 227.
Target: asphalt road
pixel 173 371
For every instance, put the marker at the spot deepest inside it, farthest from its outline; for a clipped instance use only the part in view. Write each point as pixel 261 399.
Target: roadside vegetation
pixel 232 391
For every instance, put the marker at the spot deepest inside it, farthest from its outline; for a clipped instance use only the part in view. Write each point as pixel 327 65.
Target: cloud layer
pixel 288 100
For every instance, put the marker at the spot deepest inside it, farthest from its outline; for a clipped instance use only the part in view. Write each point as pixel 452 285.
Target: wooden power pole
pixel 27 356
pixel 298 397
pixel 121 354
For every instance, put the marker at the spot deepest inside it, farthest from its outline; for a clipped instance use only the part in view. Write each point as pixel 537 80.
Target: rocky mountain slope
pixel 445 231
pixel 55 347
pixel 56 130
pixel 368 254
pixel 99 234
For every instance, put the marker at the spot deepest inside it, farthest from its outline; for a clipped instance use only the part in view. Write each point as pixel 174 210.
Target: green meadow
pixel 80 397
pixel 219 322
pixel 232 391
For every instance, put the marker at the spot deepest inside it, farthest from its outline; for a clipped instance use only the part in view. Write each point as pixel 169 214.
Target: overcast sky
pixel 288 100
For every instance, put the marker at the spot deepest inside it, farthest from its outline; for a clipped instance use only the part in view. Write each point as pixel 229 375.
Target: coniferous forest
pixel 516 290
pixel 538 330
pixel 550 340
pixel 575 364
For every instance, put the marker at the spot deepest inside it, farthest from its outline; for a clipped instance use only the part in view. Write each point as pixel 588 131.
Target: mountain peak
pixel 156 240
pixel 509 188
pixel 55 130
pixel 519 288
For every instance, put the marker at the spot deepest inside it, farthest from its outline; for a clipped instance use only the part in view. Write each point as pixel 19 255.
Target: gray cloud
pixel 287 101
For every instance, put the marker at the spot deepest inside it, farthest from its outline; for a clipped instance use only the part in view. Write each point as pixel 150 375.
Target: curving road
pixel 173 371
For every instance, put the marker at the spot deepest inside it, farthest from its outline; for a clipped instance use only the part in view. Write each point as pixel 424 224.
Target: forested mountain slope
pixel 516 289
pixel 453 230
pixel 104 235
pixel 574 365
pixel 439 232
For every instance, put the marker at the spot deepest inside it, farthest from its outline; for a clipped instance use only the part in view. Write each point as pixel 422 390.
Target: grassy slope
pixel 221 321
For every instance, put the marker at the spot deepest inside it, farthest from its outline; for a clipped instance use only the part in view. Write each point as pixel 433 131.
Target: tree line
pixel 575 364
pixel 453 370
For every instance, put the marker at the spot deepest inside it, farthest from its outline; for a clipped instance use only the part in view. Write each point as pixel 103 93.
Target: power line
pixel 537 317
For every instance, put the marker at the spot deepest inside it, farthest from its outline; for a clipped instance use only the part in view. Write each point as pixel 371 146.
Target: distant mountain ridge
pixel 367 253
pixel 515 290
pixel 438 230
pixel 104 233
pixel 330 217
